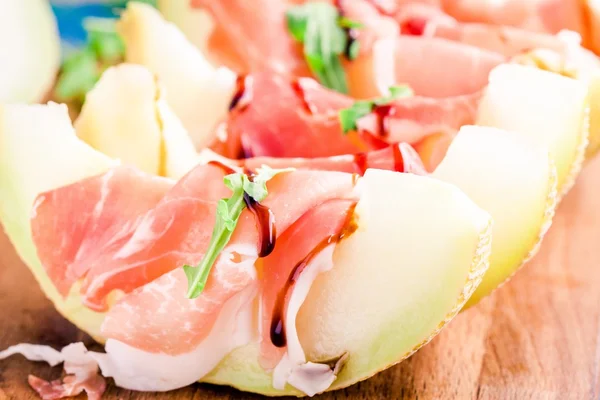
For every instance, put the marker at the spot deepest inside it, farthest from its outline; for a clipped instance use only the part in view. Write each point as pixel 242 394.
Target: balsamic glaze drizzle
pixel 277 329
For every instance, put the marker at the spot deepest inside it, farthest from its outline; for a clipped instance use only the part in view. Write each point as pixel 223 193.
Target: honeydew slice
pixel 195 23
pixel 511 177
pixel 30 51
pixel 39 151
pixel 198 93
pixel 549 108
pixel 420 250
pixel 119 117
pixel 406 271
pixel 126 117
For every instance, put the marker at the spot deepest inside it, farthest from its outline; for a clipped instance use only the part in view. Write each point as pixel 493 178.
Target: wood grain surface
pixel 535 338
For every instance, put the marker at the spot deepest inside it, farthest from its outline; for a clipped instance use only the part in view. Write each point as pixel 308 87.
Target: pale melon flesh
pixel 119 117
pixel 126 117
pixel 198 93
pixel 29 50
pixel 421 249
pixel 548 108
pixel 419 252
pixel 513 179
pixel 39 151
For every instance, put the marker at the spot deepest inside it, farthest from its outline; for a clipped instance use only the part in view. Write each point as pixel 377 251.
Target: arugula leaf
pixel 345 22
pixel 227 216
pixel 319 26
pixel 81 70
pixel 349 116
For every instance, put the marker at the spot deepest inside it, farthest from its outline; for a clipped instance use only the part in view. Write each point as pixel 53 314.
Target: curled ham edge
pixel 135 369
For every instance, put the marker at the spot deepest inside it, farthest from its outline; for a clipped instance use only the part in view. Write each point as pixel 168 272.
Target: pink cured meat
pixel 294 246
pixel 276 119
pixel 399 157
pixel 252 36
pixel 70 386
pixel 504 40
pixel 301 119
pixel 103 213
pixel 548 16
pixel 412 119
pixel 465 71
pixel 139 317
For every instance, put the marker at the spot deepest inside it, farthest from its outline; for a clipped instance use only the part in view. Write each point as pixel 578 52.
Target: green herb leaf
pixel 320 28
pixel 79 75
pixel 354 50
pixel 296 21
pixel 227 217
pixel 257 188
pixel 82 70
pixel 350 116
pixel 346 22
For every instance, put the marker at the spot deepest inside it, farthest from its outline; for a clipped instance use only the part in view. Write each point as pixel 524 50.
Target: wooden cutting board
pixel 535 338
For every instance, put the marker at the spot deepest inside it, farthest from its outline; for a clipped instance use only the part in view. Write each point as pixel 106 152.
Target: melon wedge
pixel 126 117
pixel 594 87
pixel 396 282
pixel 30 51
pixel 430 251
pixel 198 93
pixel 511 177
pixel 119 117
pixel 195 23
pixel 549 108
pixel 39 151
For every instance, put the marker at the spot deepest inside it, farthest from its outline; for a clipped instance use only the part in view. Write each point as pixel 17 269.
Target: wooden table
pixel 535 338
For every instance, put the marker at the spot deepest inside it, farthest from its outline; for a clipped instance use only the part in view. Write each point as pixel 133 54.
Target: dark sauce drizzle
pixel 361 162
pixel 243 93
pixel 277 329
pixel 297 88
pixel 265 220
pixel 383 112
pixel 351 34
pixel 265 223
pixel 398 158
pixel 226 168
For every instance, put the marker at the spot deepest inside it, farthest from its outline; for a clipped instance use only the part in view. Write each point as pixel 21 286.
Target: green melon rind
pixel 34 143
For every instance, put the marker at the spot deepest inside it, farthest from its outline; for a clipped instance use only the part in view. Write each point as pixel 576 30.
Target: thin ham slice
pixel 253 36
pixel 109 209
pixel 282 118
pixel 465 68
pixel 184 242
pixel 81 368
pixel 285 119
pixel 549 16
pixel 399 157
pixel 283 268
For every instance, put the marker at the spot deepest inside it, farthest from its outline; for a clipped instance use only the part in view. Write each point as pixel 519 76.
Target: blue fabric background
pixel 71 13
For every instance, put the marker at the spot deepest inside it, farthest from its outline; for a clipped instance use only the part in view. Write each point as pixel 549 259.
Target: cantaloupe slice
pixel 198 93
pixel 29 50
pixel 511 177
pixel 39 151
pixel 408 269
pixel 126 117
pixel 546 107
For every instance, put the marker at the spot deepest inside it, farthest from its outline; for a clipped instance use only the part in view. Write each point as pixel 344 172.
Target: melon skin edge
pixel 38 152
pixel 514 179
pixel 37 132
pixel 396 336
